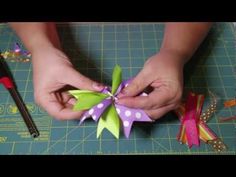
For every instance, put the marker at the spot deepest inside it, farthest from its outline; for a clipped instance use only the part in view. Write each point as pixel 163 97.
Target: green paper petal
pixel 86 99
pixel 116 78
pixel 110 121
pixel 78 92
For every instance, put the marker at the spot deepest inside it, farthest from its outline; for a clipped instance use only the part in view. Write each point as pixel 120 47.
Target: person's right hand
pixel 162 72
pixel 52 71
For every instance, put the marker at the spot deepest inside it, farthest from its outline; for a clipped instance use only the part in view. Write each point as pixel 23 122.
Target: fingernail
pixel 72 101
pixel 98 86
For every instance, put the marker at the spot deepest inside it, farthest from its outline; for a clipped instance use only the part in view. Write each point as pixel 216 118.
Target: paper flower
pixel 16 54
pixel 102 107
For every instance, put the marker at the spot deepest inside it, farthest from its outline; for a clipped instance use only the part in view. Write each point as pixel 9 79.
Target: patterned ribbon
pixel 204 132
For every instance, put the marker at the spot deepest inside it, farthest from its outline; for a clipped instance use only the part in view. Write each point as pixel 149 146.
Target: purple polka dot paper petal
pixel 106 90
pixel 129 115
pixel 122 85
pixel 96 111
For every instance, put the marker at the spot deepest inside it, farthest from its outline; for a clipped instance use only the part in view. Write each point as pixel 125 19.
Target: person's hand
pixel 52 72
pixel 164 73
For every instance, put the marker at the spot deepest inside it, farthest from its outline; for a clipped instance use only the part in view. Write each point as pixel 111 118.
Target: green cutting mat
pixel 95 49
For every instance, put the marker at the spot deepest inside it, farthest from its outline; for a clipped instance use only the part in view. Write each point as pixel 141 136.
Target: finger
pixel 158 113
pixel 72 101
pixel 59 97
pixel 58 110
pixel 68 99
pixel 138 84
pixel 155 99
pixel 64 97
pixel 63 112
pixel 74 78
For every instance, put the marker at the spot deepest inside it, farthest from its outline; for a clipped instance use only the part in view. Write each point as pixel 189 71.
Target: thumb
pixel 137 85
pixel 78 80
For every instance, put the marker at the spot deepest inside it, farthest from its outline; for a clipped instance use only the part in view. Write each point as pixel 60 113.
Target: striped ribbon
pixel 198 129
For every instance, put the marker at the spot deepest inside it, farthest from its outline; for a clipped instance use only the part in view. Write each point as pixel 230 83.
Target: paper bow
pixel 16 54
pixel 18 49
pixel 190 119
pixel 201 130
pixel 103 107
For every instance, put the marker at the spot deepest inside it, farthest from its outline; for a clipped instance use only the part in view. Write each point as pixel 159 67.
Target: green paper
pixel 78 92
pixel 116 78
pixel 86 99
pixel 110 121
